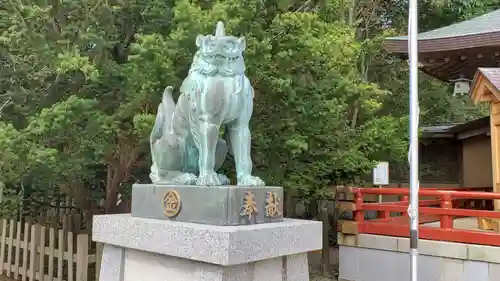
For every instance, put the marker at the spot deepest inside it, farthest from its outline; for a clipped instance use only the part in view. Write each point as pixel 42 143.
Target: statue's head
pixel 220 49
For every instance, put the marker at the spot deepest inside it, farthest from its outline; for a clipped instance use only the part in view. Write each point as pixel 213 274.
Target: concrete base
pixel 368 257
pixel 215 205
pixel 158 250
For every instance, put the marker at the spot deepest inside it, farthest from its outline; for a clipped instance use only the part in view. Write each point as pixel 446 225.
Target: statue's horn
pixel 219 30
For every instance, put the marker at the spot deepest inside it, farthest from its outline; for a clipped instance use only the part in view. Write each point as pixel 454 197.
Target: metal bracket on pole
pixel 412 212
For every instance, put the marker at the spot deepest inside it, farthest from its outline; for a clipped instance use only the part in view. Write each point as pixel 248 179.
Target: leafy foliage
pixel 81 81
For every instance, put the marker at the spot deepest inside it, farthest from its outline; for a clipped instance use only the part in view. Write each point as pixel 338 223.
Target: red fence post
pixel 383 214
pixel 359 215
pixel 407 200
pixel 446 220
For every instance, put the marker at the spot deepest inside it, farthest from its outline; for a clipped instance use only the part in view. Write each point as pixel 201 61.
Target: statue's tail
pixel 169 109
pixel 163 122
pixel 163 125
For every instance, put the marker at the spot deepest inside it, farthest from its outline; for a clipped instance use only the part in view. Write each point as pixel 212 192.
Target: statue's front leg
pixel 239 134
pixel 206 139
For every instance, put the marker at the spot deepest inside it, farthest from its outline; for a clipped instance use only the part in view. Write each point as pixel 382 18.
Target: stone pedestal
pixel 214 205
pixel 158 250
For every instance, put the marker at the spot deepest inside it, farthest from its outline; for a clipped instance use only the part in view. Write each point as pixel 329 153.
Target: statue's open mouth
pixel 223 58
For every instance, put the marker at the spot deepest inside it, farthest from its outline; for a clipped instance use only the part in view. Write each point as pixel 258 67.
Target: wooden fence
pixel 37 252
pixel 62 214
pixel 71 222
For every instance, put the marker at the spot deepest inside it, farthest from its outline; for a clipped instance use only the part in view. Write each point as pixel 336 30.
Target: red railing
pixel 441 208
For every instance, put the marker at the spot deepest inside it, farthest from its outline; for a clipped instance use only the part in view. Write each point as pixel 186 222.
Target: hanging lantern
pixel 461 86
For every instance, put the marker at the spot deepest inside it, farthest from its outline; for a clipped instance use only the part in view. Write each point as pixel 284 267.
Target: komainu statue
pixel 185 142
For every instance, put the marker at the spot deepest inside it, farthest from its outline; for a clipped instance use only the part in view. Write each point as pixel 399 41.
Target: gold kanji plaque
pixel 272 205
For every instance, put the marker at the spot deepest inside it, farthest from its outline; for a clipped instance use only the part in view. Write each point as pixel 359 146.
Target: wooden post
pixel 32 249
pixel 60 254
pixel 495 148
pixel 82 255
pixel 52 238
pixel 26 238
pixel 12 225
pixel 325 253
pixel 484 90
pixel 17 255
pixel 70 257
pixel 41 255
pixel 3 241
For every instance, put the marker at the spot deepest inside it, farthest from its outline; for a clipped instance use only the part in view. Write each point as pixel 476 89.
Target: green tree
pixel 81 81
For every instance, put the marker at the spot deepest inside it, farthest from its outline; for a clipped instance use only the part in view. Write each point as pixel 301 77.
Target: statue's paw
pixel 249 180
pixel 223 179
pixel 210 180
pixel 186 179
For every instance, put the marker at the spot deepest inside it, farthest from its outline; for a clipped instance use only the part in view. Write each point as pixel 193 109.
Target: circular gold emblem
pixel 171 203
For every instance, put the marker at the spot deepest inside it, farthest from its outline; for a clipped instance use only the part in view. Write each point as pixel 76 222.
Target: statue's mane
pixel 231 68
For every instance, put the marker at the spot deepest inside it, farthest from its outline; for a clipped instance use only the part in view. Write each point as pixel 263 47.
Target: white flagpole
pixel 413 153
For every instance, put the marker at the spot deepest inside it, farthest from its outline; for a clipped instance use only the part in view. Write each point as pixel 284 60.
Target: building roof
pixel 457 50
pixel 438 128
pixel 480 31
pixel 486 85
pixel 471 125
pixel 492 74
pixel 457 130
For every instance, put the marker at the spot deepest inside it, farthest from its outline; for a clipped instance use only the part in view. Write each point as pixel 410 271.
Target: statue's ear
pixel 199 40
pixel 242 43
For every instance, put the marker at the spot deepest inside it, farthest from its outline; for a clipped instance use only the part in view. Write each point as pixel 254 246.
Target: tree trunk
pixel 312 209
pixel 2 187
pixel 112 189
